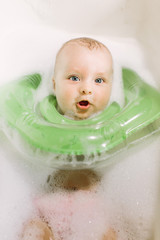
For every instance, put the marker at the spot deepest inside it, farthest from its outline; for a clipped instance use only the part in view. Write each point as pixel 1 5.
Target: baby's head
pixel 82 78
pixel 84 179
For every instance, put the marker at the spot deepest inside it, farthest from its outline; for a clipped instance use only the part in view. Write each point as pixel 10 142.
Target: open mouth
pixel 84 104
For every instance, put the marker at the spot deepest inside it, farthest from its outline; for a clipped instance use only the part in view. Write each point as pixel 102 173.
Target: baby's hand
pixel 37 230
pixel 110 235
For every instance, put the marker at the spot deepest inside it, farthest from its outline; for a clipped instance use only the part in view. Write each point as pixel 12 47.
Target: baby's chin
pixel 81 116
pixel 75 116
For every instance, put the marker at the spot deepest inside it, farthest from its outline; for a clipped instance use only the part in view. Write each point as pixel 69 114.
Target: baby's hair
pixel 85 42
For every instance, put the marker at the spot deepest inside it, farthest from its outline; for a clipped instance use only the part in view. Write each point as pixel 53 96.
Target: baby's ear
pixel 54 84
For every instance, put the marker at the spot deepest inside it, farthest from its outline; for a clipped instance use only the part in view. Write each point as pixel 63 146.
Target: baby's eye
pixel 74 78
pixel 99 80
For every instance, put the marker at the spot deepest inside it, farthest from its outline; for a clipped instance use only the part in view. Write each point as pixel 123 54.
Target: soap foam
pixel 75 215
pixel 126 198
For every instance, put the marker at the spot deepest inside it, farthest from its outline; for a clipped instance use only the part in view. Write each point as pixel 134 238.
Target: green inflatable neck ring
pixel 79 142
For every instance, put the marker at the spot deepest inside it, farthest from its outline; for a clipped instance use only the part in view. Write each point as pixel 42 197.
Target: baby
pixel 82 78
pixel 82 84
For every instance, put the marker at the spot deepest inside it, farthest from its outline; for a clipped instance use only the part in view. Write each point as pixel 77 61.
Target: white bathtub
pixel 131 184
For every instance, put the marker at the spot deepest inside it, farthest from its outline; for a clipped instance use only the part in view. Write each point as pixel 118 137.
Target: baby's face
pixel 82 81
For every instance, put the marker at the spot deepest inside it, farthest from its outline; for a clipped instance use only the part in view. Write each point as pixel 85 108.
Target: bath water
pixel 129 186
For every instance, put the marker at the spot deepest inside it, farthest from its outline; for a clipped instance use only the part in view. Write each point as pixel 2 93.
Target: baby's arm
pixel 37 230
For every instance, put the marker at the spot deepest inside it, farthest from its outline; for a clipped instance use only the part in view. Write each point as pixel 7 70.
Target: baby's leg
pixel 110 235
pixel 36 230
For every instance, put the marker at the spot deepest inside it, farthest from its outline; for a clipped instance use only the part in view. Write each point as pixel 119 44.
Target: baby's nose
pixel 86 89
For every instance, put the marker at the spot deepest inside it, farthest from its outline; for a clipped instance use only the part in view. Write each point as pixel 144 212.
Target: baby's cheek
pixel 102 100
pixel 107 94
pixel 66 96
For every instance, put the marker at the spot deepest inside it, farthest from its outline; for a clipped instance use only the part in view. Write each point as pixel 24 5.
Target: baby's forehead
pixel 73 49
